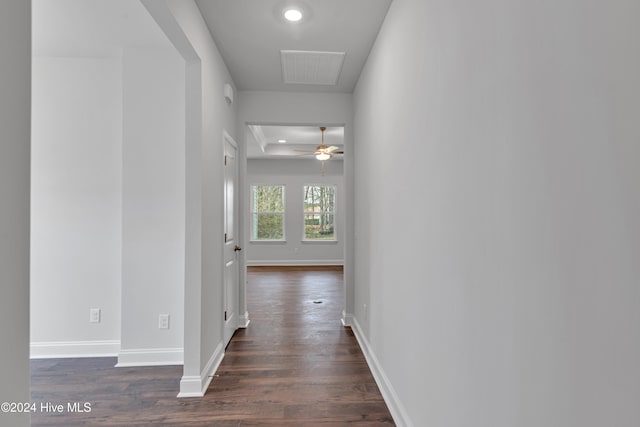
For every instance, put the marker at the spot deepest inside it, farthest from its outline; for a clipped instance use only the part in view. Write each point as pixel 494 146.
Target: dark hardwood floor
pixel 294 366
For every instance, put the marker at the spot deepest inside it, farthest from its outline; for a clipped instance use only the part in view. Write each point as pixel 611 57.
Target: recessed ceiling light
pixel 282 141
pixel 293 15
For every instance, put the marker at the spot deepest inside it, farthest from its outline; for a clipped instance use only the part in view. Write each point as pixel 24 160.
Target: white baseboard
pixel 69 349
pixel 293 262
pixel 243 321
pixel 347 319
pixel 191 386
pixel 196 386
pixel 150 357
pixel 398 412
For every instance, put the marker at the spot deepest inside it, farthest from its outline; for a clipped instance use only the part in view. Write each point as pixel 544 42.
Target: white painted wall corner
pixel 347 319
pixel 243 320
pixel 196 386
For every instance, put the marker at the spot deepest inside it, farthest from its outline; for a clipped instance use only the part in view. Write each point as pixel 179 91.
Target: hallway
pixel 294 366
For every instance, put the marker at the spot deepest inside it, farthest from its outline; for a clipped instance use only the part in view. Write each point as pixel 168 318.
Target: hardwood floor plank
pixel 294 366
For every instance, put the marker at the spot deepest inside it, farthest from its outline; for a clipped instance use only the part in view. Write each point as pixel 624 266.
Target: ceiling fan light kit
pixel 323 152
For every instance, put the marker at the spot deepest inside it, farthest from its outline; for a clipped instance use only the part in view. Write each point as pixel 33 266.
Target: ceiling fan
pixel 324 152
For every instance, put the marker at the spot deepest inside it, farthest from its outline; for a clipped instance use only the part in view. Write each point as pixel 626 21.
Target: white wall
pixel 153 206
pixel 15 51
pixel 76 204
pixel 207 117
pixel 514 300
pixel 98 240
pixel 294 175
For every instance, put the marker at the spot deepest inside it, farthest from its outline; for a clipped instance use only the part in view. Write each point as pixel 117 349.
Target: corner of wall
pixel 196 386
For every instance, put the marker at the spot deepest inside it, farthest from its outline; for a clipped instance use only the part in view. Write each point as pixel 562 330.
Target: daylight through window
pixel 267 212
pixel 319 212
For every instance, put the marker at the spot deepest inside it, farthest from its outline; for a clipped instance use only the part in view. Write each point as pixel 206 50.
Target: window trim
pixel 335 209
pixel 253 212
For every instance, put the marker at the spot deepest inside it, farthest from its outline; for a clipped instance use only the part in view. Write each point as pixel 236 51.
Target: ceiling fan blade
pixel 331 149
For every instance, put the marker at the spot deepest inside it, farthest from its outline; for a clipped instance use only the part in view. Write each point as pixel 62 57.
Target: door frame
pixel 348 310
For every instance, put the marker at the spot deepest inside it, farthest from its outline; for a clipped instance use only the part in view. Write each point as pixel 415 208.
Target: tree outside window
pixel 267 212
pixel 319 212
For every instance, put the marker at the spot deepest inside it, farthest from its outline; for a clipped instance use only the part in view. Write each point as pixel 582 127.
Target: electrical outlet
pixel 366 312
pixel 163 321
pixel 94 315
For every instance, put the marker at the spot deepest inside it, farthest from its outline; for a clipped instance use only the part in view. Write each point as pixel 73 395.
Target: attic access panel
pixel 310 67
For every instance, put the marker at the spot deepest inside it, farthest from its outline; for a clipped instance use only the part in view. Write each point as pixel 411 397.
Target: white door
pixel 231 243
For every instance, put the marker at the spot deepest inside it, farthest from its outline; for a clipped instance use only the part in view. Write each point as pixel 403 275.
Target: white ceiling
pixel 251 33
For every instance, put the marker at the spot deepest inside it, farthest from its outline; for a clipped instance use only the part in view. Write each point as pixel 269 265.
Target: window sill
pixel 321 242
pixel 268 242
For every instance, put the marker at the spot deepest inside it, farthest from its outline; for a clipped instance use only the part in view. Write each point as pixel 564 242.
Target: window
pixel 267 212
pixel 319 212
